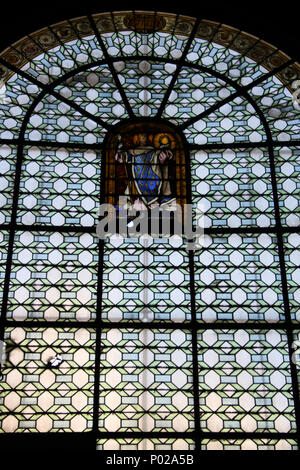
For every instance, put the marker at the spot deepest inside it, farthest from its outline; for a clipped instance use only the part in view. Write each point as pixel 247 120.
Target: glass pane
pixel 245 381
pixel 53 277
pixel 249 444
pixel 8 156
pixel 146 381
pixel 36 398
pixel 16 96
pixel 59 187
pixel 292 262
pixel 146 281
pixel 156 444
pixel 234 122
pixel 287 160
pixel 194 92
pixel 233 187
pixel 238 279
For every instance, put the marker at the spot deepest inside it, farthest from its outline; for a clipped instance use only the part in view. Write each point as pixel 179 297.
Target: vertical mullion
pixel 193 324
pixel 173 35
pixel 96 397
pixel 153 35
pixel 178 69
pixel 194 332
pixel 289 331
pixel 98 323
pixel 16 191
pixel 289 326
pixel 135 32
pixel 15 198
pixel 111 67
pixel 12 230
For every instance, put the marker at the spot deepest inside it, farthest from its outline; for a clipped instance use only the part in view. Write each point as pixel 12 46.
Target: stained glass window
pixel 163 347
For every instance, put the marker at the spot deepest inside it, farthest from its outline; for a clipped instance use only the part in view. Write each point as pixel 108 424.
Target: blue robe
pixel 147 174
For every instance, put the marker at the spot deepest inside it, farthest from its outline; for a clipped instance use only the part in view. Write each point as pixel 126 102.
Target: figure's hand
pixel 119 157
pixel 163 157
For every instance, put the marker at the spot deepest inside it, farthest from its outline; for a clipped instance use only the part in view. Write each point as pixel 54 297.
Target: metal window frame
pixel 193 326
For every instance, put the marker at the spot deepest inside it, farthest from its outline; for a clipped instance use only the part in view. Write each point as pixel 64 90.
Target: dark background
pixel 275 22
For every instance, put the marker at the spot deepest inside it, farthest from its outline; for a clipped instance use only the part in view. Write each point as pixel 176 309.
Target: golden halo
pixel 165 140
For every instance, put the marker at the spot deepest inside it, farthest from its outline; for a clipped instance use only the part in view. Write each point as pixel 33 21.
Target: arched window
pixel 162 347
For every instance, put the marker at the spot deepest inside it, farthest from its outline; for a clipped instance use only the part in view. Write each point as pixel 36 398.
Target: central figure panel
pixel 145 165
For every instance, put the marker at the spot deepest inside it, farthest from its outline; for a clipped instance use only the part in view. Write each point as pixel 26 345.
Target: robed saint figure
pixel 147 166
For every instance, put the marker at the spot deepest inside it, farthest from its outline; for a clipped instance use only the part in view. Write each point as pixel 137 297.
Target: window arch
pixel 163 348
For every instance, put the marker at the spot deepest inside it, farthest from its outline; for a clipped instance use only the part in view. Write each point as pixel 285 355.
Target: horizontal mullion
pixel 150 325
pixel 245 145
pixel 55 144
pixel 234 145
pixel 200 434
pixel 47 228
pixel 146 164
pixel 13 142
pixel 92 229
pixel 157 434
